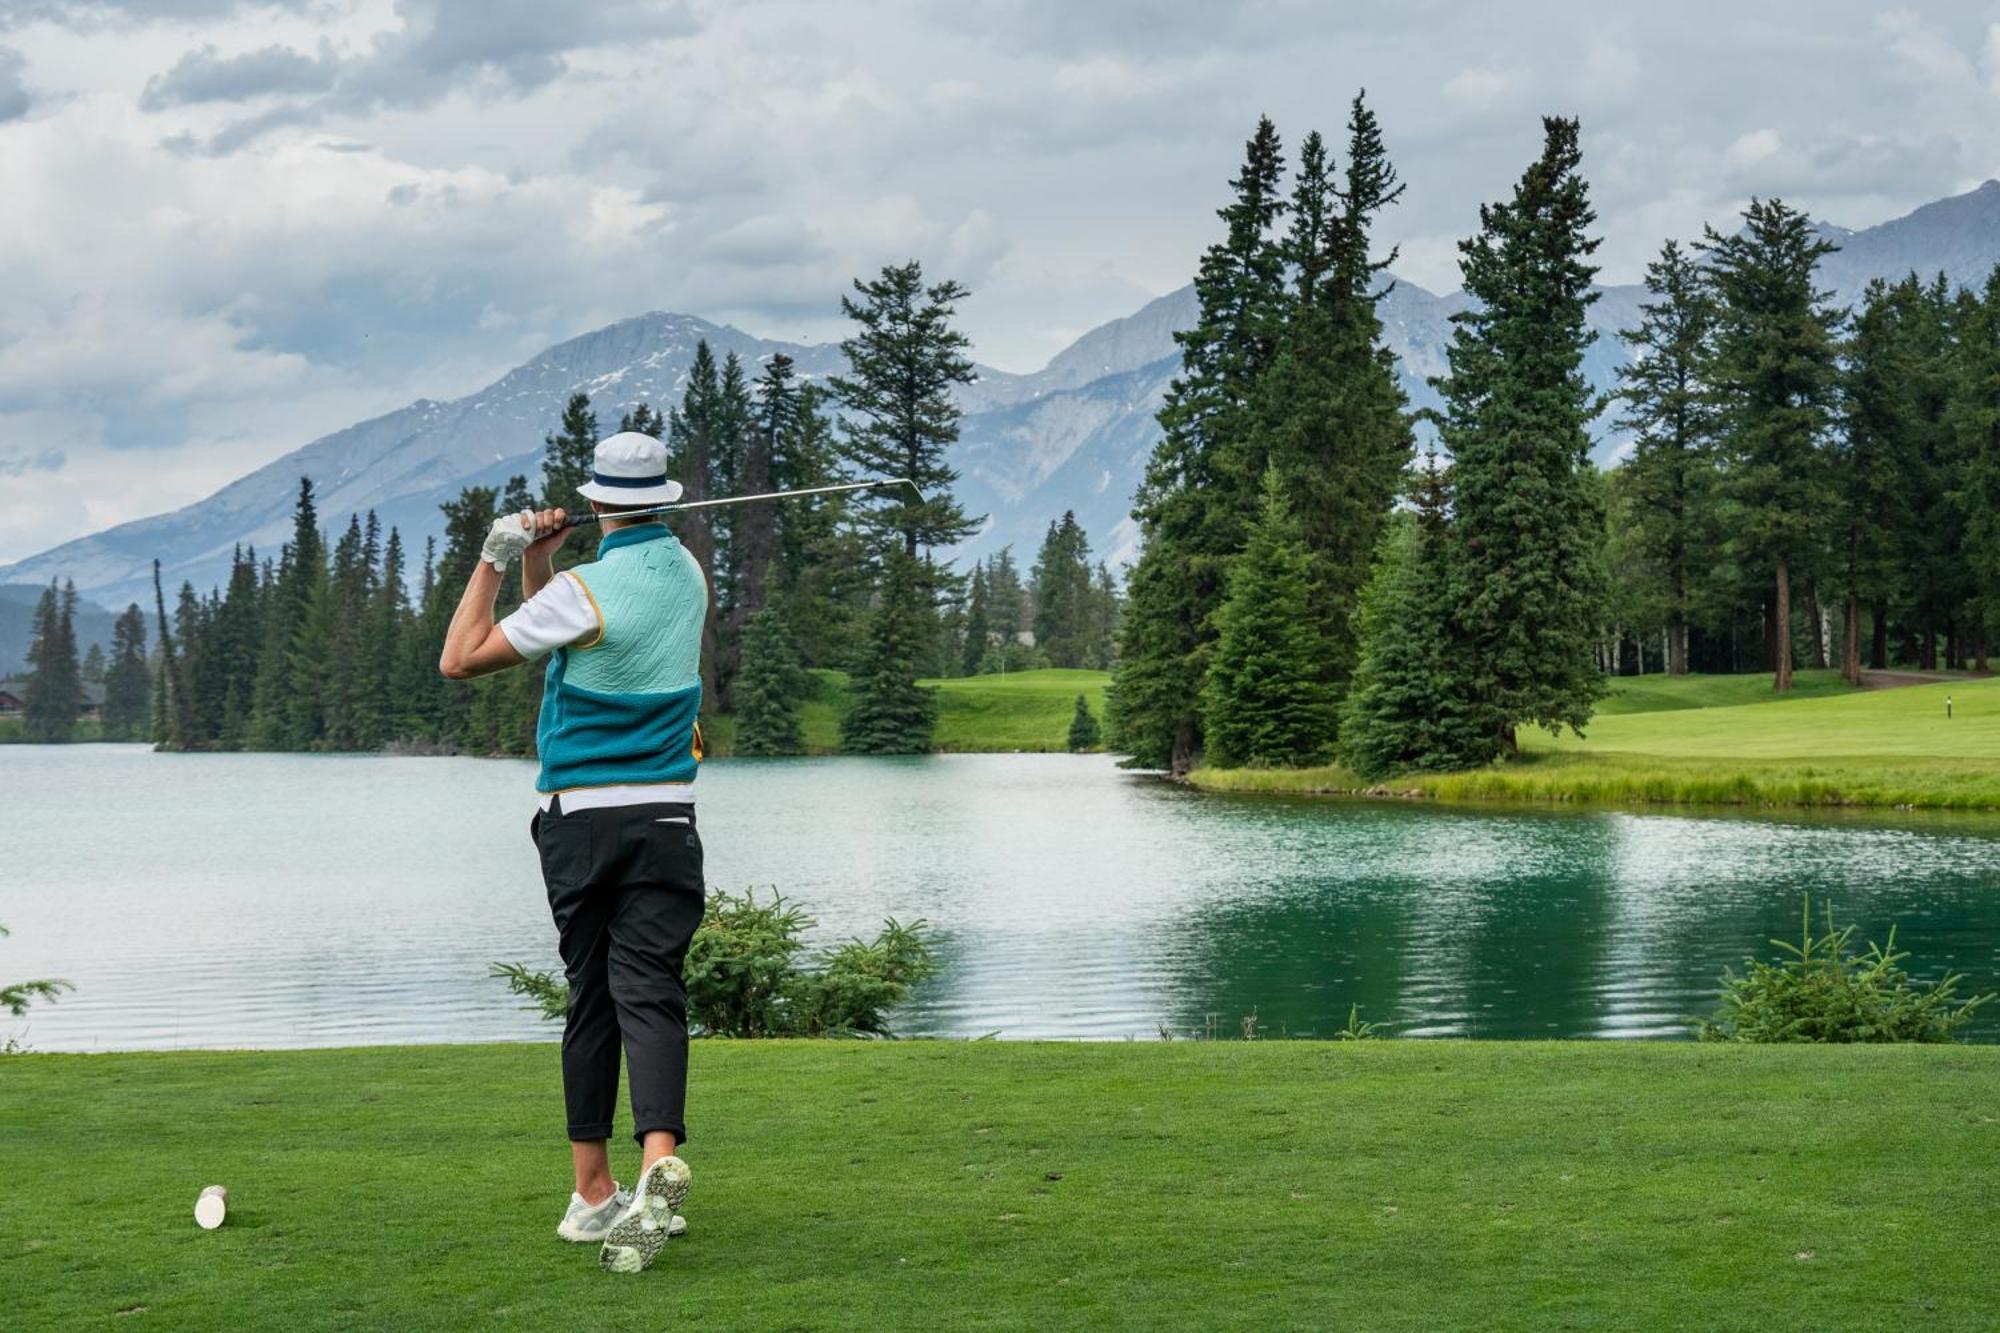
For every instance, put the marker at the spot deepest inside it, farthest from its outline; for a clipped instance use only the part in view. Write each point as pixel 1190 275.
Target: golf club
pixel 578 520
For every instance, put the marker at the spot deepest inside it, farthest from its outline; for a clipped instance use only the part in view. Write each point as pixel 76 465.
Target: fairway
pixel 1025 710
pixel 1724 740
pixel 923 1185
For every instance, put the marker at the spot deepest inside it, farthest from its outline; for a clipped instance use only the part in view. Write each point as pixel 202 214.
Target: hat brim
pixel 663 494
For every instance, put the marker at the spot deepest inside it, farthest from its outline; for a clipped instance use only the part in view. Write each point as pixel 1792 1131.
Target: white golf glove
pixel 509 536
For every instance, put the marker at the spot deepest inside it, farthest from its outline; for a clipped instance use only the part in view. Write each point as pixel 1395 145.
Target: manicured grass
pixel 1831 746
pixel 1397 1185
pixel 1026 710
pixel 1659 693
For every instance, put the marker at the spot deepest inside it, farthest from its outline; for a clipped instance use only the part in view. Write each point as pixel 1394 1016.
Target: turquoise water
pixel 292 900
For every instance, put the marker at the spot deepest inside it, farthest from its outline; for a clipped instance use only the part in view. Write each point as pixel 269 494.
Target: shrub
pixel 747 976
pixel 1822 992
pixel 16 996
pixel 1084 733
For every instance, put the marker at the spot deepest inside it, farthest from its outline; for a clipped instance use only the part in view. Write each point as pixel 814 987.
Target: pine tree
pixel 173 710
pixel 772 687
pixel 285 705
pixel 1976 422
pixel 904 360
pixel 753 535
pixel 94 665
pixel 1199 492
pixel 1670 472
pixel 693 431
pixel 1062 594
pixel 1083 729
pixel 891 713
pixel 1330 409
pixel 55 680
pixel 1411 704
pixel 389 618
pixel 978 624
pixel 1528 583
pixel 128 680
pixel 823 568
pixel 1268 700
pixel 1871 468
pixel 568 453
pixel 1774 379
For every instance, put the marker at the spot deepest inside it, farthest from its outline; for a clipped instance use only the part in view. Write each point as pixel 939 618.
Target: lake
pixel 298 900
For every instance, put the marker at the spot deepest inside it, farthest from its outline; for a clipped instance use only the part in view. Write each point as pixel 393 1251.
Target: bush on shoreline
pixel 1821 992
pixel 748 976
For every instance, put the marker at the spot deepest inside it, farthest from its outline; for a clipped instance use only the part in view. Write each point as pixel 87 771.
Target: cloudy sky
pixel 227 228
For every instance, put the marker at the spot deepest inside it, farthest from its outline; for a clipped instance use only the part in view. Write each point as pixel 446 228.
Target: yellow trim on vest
pixel 696 748
pixel 577 579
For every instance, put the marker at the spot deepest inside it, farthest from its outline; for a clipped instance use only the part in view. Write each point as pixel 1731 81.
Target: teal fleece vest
pixel 620 708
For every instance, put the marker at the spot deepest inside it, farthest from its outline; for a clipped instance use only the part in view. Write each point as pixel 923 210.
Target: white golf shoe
pixel 635 1240
pixel 587 1223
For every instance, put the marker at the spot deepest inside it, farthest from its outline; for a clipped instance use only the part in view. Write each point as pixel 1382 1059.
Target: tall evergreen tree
pixel 285 706
pixel 1669 475
pixel 1870 469
pixel 173 709
pixel 1199 492
pixel 1084 733
pixel 1774 377
pixel 1529 587
pixel 1268 701
pixel 94 665
pixel 824 576
pixel 1330 409
pixel 567 455
pixel 1976 422
pixel 694 430
pixel 772 687
pixel 1412 704
pixel 891 713
pixel 753 538
pixel 55 680
pixel 128 682
pixel 1062 594
pixel 904 360
pixel 978 624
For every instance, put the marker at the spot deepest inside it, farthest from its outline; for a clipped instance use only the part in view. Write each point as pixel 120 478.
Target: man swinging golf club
pixel 619 747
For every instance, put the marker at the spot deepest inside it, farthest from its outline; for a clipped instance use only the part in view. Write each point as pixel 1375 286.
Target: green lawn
pixel 1727 740
pixel 1027 710
pixel 926 1185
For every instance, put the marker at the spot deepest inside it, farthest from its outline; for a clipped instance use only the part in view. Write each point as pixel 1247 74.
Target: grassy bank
pixel 1028 710
pixel 1701 740
pixel 1409 1185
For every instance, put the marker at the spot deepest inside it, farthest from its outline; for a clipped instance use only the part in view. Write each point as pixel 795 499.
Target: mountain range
pixel 1073 435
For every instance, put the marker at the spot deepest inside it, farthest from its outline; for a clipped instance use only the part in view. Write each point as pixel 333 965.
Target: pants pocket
pixel 565 847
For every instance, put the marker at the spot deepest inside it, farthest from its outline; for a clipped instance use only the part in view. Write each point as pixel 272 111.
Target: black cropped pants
pixel 625 889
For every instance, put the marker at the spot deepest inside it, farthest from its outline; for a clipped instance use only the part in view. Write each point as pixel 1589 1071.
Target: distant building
pixel 14 699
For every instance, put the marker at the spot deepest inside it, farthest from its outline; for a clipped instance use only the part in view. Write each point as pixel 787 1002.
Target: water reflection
pixel 293 900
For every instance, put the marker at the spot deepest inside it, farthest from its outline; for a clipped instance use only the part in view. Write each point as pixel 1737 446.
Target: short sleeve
pixel 557 616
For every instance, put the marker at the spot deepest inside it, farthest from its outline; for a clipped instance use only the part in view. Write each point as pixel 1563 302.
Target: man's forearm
pixel 473 621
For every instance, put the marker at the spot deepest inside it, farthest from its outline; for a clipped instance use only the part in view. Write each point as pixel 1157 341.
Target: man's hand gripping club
pixel 474 645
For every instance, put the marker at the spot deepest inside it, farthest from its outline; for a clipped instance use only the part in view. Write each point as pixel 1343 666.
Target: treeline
pixel 334 646
pixel 1807 485
pixel 1799 478
pixel 56 678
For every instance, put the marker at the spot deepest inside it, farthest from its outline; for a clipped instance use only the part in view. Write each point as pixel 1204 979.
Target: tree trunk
pixel 1878 637
pixel 1850 643
pixel 1186 748
pixel 1677 647
pixel 1927 649
pixel 1781 624
pixel 1817 652
pixel 1979 651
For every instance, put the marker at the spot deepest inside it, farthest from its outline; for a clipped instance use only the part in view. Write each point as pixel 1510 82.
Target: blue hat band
pixel 634 482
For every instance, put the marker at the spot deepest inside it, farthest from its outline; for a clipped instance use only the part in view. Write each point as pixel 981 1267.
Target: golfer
pixel 621 858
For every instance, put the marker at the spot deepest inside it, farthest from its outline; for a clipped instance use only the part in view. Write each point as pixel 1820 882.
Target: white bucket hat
pixel 630 469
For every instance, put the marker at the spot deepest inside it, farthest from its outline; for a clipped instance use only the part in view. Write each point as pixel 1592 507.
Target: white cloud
pixel 334 206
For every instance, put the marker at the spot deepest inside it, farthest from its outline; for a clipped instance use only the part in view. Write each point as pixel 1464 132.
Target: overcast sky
pixel 228 228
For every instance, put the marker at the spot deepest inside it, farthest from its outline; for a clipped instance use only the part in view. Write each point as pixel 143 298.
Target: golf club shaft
pixel 578 520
